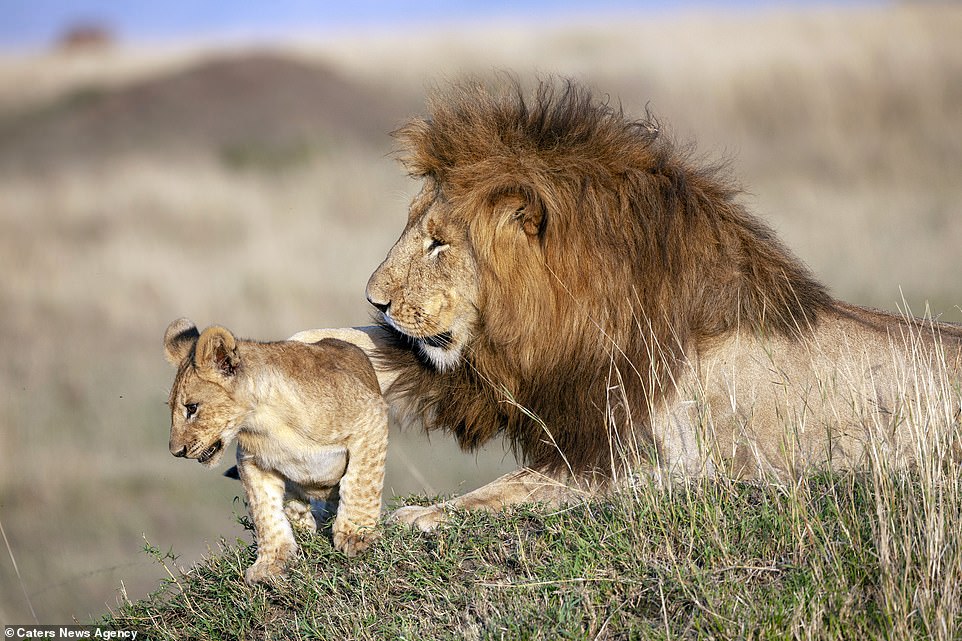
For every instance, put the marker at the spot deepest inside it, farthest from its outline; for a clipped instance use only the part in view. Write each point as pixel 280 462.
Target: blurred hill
pixel 265 105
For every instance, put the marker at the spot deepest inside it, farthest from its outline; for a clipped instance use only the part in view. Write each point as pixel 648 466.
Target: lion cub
pixel 310 422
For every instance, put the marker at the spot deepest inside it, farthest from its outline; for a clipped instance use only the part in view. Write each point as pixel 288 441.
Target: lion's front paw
pixel 426 519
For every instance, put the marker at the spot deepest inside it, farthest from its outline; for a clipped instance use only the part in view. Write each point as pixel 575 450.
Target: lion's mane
pixel 640 258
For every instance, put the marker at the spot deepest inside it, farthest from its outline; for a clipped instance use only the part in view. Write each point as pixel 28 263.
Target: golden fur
pixel 310 423
pixel 570 279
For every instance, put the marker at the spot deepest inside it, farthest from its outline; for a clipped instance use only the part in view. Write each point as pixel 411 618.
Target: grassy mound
pixel 834 557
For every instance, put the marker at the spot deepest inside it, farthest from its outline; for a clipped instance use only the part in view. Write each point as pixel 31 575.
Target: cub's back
pixel 312 386
pixel 329 370
pixel 343 357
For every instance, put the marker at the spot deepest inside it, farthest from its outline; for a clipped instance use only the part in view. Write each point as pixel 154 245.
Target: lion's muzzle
pixel 379 306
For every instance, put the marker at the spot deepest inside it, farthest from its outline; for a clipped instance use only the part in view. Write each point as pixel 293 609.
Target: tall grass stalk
pixel 16 570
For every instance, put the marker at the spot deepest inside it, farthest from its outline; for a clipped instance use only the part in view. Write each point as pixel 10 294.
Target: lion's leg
pixel 265 500
pixel 521 486
pixel 355 526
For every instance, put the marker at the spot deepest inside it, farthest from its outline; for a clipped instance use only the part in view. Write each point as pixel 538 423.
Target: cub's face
pixel 427 287
pixel 204 418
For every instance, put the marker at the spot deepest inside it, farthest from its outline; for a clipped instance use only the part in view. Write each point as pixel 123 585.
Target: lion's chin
pixel 441 351
pixel 443 340
pixel 442 358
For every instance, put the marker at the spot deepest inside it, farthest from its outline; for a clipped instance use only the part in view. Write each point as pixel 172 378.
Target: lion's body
pixel 569 279
pixel 861 386
pixel 310 423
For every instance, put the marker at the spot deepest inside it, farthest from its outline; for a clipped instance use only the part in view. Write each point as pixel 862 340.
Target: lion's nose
pixel 381 307
pixel 181 453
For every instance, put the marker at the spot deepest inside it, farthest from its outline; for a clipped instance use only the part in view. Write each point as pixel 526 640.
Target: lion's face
pixel 204 418
pixel 427 287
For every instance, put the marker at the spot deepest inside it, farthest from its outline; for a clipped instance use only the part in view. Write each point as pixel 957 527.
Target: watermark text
pixel 66 632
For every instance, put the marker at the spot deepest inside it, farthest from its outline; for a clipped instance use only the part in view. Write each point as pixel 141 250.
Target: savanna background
pixel 247 180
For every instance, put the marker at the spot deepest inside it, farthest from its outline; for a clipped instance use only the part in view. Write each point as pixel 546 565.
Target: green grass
pixel 269 156
pixel 834 557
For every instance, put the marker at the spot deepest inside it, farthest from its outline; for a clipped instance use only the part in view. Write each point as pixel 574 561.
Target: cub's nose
pixel 181 453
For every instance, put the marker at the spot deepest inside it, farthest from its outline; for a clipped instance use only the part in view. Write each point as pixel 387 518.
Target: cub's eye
pixel 191 409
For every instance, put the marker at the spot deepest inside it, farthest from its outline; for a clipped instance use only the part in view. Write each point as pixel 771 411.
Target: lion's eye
pixel 437 246
pixel 190 409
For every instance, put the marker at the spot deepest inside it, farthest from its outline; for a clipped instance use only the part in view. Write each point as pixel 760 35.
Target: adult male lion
pixel 568 278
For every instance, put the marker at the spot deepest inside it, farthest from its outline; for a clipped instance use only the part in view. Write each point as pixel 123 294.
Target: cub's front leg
pixel 265 499
pixel 359 510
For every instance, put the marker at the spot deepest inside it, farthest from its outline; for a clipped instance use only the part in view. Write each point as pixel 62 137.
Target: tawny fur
pixel 570 279
pixel 310 423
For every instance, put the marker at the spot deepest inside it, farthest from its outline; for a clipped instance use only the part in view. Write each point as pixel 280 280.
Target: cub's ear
pixel 179 339
pixel 521 205
pixel 216 353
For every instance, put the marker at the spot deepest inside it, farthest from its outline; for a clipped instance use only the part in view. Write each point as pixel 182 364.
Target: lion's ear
pixel 532 218
pixel 525 208
pixel 179 339
pixel 216 354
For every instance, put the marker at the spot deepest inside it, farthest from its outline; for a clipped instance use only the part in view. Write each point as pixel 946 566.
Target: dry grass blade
pixel 16 569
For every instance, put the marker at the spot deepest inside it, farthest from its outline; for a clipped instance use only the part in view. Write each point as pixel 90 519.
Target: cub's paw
pixel 272 562
pixel 353 541
pixel 300 516
pixel 425 518
pixel 264 571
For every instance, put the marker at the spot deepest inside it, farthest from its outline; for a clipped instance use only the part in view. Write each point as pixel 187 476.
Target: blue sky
pixel 28 24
